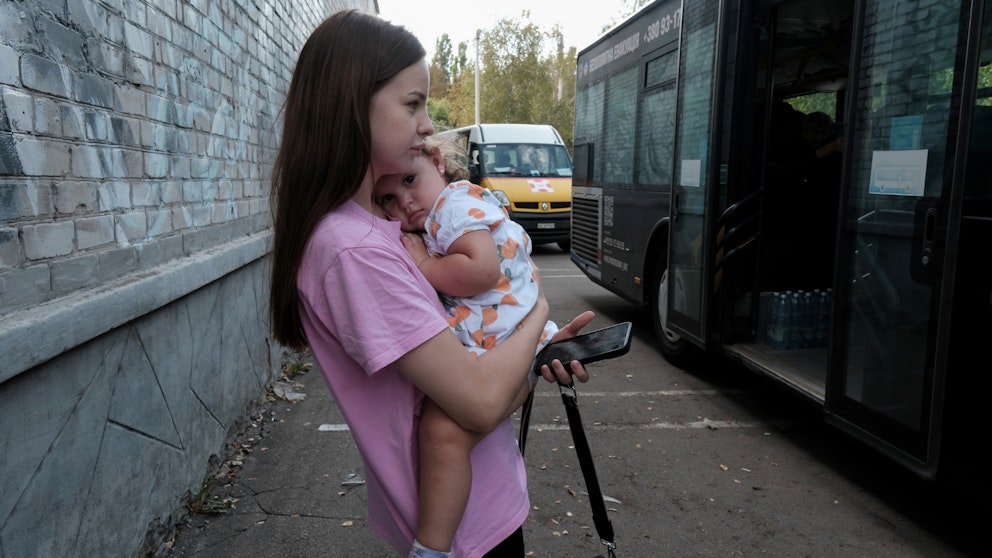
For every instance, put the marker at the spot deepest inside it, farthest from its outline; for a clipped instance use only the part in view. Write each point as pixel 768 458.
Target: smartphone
pixel 609 342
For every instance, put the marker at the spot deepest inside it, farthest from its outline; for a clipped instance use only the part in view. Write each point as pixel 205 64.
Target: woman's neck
pixel 364 198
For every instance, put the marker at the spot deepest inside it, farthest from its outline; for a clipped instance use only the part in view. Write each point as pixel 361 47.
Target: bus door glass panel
pixel 967 385
pixel 882 376
pixel 686 279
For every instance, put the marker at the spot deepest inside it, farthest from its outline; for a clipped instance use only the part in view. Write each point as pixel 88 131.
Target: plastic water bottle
pixel 778 323
pixel 822 334
pixel 770 319
pixel 795 322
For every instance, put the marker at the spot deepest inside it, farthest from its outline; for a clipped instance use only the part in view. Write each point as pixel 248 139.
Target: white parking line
pixel 699 424
pixel 550 392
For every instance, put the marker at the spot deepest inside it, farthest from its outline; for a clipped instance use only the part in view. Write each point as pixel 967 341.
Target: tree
pixel 527 75
pixel 442 57
pixel 440 111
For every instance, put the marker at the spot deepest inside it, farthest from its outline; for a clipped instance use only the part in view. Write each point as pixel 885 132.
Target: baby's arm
pixel 471 266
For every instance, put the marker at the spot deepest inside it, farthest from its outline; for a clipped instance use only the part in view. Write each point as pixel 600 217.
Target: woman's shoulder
pixel 349 228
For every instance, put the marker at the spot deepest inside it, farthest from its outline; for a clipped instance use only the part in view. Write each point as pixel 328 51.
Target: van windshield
pixel 526 159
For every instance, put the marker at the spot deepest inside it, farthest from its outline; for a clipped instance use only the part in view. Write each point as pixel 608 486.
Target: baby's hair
pixel 452 155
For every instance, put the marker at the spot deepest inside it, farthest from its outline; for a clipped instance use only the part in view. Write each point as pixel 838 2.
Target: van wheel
pixel 565 245
pixel 676 350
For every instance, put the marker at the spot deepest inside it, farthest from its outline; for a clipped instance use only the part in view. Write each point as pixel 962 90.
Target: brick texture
pixel 126 124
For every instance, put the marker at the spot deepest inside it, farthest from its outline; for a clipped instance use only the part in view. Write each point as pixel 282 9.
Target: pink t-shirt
pixel 364 305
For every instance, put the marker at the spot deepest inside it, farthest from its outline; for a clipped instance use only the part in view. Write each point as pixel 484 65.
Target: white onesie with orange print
pixel 484 320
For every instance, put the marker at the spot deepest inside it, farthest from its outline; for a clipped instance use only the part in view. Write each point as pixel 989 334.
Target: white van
pixel 527 167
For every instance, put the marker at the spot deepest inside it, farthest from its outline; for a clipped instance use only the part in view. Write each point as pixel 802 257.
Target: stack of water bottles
pixel 798 319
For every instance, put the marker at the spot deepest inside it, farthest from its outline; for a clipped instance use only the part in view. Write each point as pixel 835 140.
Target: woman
pixel 344 285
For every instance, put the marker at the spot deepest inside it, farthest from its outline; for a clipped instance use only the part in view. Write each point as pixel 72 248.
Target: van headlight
pixel 499 195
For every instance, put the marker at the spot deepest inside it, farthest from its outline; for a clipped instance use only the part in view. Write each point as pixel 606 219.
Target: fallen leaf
pixel 348 523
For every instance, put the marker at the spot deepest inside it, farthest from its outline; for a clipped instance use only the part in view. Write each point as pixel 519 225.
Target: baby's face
pixel 409 197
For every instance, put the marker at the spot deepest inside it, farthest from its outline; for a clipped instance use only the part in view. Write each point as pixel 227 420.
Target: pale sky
pixel 581 22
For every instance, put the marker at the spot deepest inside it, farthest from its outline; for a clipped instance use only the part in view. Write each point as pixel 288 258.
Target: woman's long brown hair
pixel 326 143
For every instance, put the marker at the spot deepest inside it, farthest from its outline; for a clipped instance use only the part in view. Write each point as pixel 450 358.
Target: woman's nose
pixel 427 127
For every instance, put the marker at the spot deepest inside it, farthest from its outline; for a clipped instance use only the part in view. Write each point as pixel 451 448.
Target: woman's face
pixel 399 120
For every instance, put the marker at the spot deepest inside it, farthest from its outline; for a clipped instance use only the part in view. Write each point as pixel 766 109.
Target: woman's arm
pixel 478 392
pixel 471 266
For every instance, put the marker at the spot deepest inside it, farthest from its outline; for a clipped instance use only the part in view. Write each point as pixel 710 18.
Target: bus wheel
pixel 565 245
pixel 674 348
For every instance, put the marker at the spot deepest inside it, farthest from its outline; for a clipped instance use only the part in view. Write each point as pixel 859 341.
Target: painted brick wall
pixel 124 123
pixel 136 142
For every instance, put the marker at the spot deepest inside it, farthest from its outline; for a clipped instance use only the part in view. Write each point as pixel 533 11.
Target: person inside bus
pixel 503 163
pixel 784 201
pixel 820 133
pixel 823 161
pixel 479 261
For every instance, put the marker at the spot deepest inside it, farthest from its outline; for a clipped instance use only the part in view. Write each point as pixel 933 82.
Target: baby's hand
pixel 414 244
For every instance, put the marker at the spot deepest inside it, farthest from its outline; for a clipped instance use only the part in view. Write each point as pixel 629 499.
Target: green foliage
pixel 527 75
pixel 203 503
pixel 440 111
pixel 816 102
pixel 443 58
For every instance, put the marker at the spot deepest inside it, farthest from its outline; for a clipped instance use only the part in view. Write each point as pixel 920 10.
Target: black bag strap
pixel 604 528
pixel 609 342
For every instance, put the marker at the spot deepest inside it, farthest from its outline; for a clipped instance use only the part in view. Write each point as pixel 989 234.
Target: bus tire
pixel 565 245
pixel 676 350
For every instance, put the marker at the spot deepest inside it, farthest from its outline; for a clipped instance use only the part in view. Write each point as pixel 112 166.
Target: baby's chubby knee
pixel 439 433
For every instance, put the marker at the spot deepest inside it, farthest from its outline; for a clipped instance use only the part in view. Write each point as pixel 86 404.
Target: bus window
pixel 656 125
pixel 621 108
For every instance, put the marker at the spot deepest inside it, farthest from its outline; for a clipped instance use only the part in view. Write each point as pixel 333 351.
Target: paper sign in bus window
pixel 898 173
pixel 691 172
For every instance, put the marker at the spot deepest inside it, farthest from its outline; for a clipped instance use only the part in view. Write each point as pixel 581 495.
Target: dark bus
pixel 804 186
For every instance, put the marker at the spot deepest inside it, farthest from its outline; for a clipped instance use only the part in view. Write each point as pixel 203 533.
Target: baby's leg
pixel 445 476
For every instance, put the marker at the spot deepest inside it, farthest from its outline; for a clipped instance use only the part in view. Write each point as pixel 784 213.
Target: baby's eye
pixel 408 180
pixel 388 198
